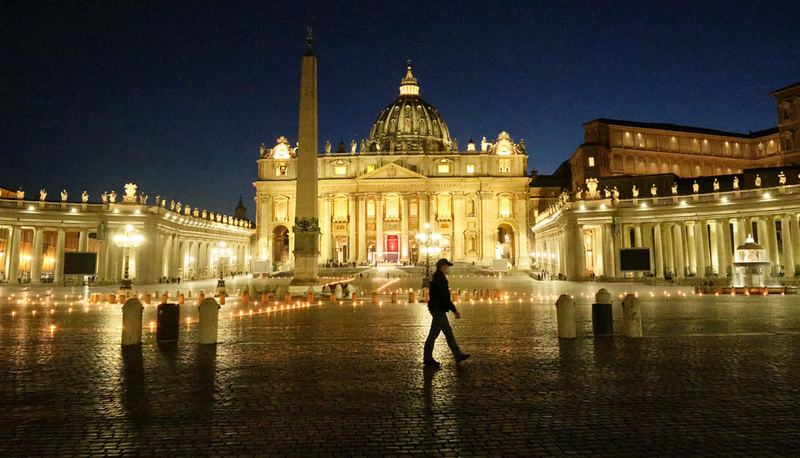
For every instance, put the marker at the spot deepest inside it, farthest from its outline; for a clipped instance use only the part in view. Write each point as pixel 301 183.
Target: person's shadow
pixel 427 389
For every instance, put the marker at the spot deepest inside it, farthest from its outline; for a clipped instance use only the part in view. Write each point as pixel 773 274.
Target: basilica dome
pixel 409 123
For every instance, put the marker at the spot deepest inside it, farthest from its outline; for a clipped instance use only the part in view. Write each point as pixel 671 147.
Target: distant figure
pixel 439 304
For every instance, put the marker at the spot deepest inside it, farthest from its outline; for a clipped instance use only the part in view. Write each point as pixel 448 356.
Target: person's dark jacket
pixel 440 294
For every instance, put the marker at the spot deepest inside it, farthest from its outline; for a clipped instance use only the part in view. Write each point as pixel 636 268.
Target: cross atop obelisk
pixel 306 224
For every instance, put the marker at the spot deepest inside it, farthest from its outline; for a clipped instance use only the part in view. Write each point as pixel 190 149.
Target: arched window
pixel 443 206
pixel 413 209
pixel 281 209
pixel 505 206
pixel 371 208
pixel 392 206
pixel 470 207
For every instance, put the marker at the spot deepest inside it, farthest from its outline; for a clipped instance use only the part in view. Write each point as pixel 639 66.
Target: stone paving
pixel 713 376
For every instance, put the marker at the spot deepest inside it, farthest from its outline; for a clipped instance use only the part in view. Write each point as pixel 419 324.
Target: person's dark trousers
pixel 440 324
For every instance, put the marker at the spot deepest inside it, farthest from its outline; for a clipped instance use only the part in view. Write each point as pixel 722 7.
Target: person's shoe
pixel 432 363
pixel 463 357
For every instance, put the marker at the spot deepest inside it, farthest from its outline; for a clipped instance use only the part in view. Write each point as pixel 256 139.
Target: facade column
pixel 13 254
pixel 743 229
pixel 325 214
pixel 58 272
pixel 659 251
pixel 728 239
pixel 578 252
pixel 618 230
pixel 458 213
pixel 352 244
pixel 677 241
pixel 691 247
pixel 362 228
pixel 521 214
pixel 36 259
pixel 265 245
pixel 379 225
pixel 788 250
pixel 404 241
pixel 637 235
pixel 422 211
pixel 83 240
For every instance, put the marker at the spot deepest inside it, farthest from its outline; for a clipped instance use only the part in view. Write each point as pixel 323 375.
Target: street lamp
pixel 127 240
pixel 220 254
pixel 429 242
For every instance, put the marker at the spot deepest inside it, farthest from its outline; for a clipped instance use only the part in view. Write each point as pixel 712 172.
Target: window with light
pixel 443 209
pixel 340 170
pixel 371 208
pixel 443 168
pixel 470 168
pixel 392 206
pixel 505 165
pixel 340 208
pixel 281 170
pixel 280 209
pixel 370 168
pixel 591 161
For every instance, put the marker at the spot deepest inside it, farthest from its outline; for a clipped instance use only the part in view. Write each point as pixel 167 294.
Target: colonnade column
pixel 58 271
pixel 666 236
pixel 458 212
pixel 362 229
pixel 763 239
pixel 728 240
pixel 609 246
pixel 617 234
pixel 352 244
pixel 723 260
pixel 701 251
pixel 265 247
pixel 788 250
pixel 713 246
pixel 83 240
pixel 794 226
pixel 743 229
pixel 772 233
pixel 677 240
pixel 691 246
pixel 637 235
pixel 13 254
pixel 36 260
pixel 659 250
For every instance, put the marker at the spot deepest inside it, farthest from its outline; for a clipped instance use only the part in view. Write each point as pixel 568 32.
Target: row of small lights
pixel 683 203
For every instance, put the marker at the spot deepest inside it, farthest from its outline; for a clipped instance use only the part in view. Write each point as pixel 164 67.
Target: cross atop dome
pixel 408 86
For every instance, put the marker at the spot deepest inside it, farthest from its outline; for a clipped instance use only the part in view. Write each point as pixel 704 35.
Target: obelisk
pixel 306 224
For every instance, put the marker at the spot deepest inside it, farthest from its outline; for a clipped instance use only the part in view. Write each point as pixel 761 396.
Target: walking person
pixel 439 304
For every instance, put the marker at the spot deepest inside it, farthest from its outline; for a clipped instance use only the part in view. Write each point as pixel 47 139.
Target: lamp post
pixel 220 254
pixel 429 245
pixel 127 240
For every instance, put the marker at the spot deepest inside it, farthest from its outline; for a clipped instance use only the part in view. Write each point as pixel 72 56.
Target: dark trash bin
pixel 168 322
pixel 602 319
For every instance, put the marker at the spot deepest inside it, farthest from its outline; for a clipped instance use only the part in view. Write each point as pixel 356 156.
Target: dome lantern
pixel 408 86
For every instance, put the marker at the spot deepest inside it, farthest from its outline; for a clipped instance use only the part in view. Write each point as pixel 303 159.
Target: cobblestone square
pixel 713 376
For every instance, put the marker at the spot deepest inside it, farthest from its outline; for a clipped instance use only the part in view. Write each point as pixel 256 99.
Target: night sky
pixel 178 98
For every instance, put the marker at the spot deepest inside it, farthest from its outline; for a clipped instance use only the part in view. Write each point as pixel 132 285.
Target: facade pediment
pixel 392 171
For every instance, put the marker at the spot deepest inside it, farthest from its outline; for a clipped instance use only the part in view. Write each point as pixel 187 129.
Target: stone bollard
pixel 180 299
pixel 112 298
pixel 466 296
pixel 121 297
pixel 287 298
pixel 132 322
pixel 485 294
pixel 265 298
pixel 209 321
pixel 394 298
pixel 155 294
pixel 164 298
pixel 333 298
pixel 565 315
pixel 631 317
pixel 239 292
pixel 310 295
pixel 411 298
pixel 337 290
pixel 374 298
pixel 354 298
pixel 200 298
pixel 222 299
pixel 602 314
pixel 454 297
pixel 245 298
pixel 147 299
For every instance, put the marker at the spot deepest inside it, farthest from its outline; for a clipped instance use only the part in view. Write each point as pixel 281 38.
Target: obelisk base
pixel 306 257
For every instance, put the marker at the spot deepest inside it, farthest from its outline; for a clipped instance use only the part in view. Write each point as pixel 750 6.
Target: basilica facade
pixel 406 178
